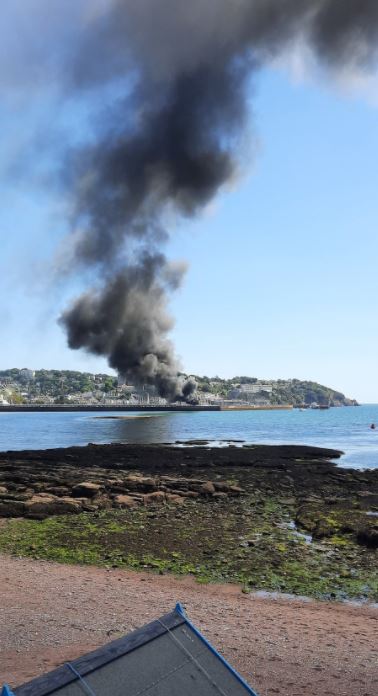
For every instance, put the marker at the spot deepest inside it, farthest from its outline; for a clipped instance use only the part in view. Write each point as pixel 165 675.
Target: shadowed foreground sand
pixel 50 613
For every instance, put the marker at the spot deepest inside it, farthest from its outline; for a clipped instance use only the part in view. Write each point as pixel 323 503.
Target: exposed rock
pixel 307 518
pixel 183 494
pixel 145 484
pixel 16 495
pixel 207 488
pixel 368 537
pixel 116 485
pixel 59 490
pixel 95 475
pixel 12 508
pixel 315 522
pixel 322 529
pixel 176 499
pixel 100 501
pixel 42 506
pixel 139 497
pixel 125 501
pixel 45 496
pixel 148 484
pixel 236 490
pixel 86 489
pixel 153 498
pixel 172 482
pixel 75 504
pixel 221 486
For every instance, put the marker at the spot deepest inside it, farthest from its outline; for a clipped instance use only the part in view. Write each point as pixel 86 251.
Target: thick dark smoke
pixel 177 73
pixel 126 321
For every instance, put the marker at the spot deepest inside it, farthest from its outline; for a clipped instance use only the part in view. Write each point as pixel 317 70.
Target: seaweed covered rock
pixel 368 536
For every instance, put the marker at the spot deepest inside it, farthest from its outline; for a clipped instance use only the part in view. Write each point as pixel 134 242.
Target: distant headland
pixel 72 390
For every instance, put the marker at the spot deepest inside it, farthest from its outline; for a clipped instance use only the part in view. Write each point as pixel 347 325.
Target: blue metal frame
pixel 181 611
pixel 6 691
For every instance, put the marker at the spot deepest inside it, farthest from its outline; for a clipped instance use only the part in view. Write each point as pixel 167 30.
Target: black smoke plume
pixel 126 320
pixel 174 77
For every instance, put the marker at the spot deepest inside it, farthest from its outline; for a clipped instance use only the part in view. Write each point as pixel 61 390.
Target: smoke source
pixel 174 78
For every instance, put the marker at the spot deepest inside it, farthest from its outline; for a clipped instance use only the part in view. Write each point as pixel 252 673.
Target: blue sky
pixel 282 278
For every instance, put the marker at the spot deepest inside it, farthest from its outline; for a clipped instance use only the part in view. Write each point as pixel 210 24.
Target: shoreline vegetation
pixel 274 518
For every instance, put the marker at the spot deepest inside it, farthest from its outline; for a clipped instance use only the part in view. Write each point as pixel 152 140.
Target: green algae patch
pixel 251 540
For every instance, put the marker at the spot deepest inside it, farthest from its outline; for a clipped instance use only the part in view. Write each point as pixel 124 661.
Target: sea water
pixel 345 428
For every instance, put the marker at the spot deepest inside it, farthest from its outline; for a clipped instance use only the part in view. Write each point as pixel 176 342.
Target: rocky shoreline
pixel 271 517
pixel 39 484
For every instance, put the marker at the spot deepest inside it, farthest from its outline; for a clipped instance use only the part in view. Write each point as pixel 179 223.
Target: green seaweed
pixel 242 541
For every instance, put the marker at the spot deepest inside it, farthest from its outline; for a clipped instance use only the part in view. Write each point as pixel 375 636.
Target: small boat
pixel 167 656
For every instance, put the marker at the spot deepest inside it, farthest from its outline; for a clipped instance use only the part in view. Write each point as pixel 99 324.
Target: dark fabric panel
pixel 221 675
pixel 154 663
pixel 177 663
pixel 49 683
pixel 165 657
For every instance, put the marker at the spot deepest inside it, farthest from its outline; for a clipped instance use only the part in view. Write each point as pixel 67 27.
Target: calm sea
pixel 346 429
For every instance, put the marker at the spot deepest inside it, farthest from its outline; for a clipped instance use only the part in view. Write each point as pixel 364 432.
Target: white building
pixel 27 374
pixel 256 388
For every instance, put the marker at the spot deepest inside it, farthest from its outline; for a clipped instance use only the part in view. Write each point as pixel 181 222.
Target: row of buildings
pixel 27 386
pixel 258 394
pixel 23 389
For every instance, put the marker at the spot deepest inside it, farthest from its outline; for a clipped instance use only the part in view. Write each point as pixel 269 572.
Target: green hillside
pixel 59 384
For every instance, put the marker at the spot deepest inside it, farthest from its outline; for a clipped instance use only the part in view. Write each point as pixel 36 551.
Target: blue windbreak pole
pixel 6 691
pixel 180 610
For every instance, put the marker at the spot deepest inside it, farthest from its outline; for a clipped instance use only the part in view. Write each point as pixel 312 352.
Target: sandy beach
pixel 51 613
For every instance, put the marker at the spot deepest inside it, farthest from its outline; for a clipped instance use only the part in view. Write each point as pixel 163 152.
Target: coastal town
pixel 72 388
